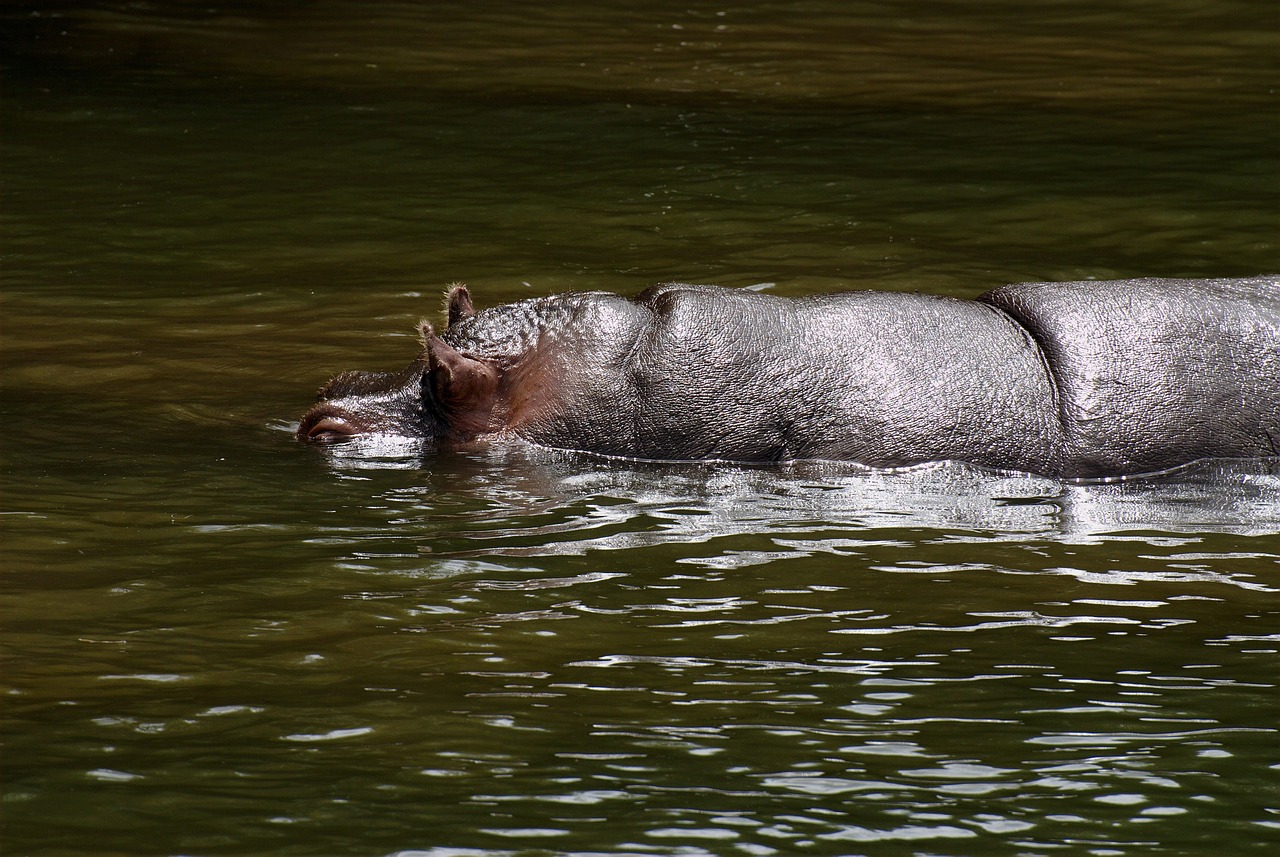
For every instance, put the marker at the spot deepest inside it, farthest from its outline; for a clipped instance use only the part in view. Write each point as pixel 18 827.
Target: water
pixel 218 642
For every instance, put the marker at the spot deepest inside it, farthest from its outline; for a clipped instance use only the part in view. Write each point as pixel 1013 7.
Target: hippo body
pixel 1075 380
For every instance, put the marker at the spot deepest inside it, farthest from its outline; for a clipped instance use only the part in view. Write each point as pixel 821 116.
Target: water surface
pixel 219 642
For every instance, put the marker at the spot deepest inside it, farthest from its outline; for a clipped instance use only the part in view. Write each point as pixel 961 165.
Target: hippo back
pixel 1151 373
pixel 882 378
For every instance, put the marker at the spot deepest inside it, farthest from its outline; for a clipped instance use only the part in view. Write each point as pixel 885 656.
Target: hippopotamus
pixel 1075 380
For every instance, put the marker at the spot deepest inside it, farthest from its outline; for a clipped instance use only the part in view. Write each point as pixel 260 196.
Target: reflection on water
pixel 516 650
pixel 693 503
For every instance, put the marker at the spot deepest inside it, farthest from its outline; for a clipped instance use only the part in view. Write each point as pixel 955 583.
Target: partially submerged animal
pixel 1075 380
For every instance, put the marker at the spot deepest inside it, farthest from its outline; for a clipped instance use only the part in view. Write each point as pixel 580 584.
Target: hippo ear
pixel 465 388
pixel 459 304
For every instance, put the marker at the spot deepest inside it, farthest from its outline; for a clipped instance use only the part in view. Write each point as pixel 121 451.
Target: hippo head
pixel 441 394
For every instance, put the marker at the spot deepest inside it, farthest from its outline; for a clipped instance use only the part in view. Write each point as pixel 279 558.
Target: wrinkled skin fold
pixel 1074 380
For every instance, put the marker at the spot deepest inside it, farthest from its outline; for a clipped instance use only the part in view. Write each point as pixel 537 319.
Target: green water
pixel 218 642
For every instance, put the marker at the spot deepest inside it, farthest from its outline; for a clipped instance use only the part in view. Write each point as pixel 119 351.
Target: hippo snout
pixel 356 404
pixel 328 424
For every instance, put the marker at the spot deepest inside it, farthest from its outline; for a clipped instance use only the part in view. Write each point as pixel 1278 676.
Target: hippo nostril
pixel 330 429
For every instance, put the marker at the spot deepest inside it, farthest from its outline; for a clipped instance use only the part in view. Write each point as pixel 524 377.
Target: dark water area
pixel 216 641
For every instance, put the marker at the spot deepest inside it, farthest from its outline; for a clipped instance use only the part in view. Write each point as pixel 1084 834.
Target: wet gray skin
pixel 1076 380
